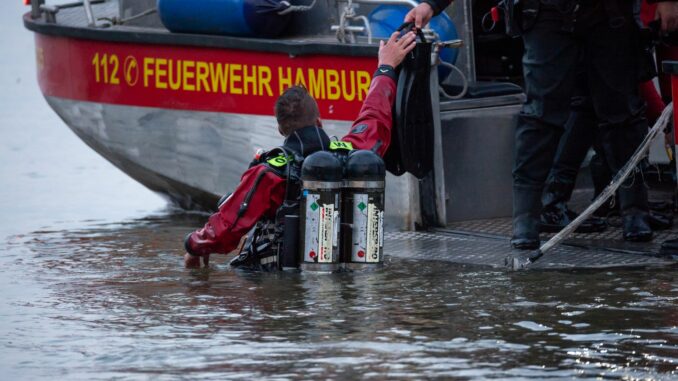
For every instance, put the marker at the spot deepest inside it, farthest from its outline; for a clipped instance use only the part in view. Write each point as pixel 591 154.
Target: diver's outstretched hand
pixel 393 51
pixel 419 15
pixel 193 262
pixel 667 13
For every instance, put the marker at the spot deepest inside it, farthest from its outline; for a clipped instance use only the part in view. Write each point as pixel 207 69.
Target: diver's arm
pixel 372 129
pixel 260 192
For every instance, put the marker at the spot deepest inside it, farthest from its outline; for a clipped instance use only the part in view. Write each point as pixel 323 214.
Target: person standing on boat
pixel 262 188
pixel 562 38
pixel 580 135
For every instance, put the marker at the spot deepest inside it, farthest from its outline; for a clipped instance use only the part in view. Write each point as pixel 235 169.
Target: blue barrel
pixel 244 18
pixel 385 19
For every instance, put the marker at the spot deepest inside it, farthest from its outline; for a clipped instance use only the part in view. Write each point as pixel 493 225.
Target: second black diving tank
pixel 363 197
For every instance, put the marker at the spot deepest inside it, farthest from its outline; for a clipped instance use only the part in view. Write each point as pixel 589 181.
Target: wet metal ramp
pixel 473 243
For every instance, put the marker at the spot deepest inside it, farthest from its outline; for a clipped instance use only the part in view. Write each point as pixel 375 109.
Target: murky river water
pixel 93 288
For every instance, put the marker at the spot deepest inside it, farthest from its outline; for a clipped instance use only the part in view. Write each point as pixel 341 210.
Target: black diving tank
pixel 363 206
pixel 321 180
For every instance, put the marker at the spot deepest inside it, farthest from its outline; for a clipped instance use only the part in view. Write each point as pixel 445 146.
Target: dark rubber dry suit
pixel 567 37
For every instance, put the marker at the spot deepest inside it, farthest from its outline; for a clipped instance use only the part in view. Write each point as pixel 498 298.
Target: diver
pixel 263 187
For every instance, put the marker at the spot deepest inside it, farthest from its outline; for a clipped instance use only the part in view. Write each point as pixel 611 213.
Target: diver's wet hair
pixel 295 109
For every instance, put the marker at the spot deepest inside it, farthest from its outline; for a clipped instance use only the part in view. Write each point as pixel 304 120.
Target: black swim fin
pixel 411 148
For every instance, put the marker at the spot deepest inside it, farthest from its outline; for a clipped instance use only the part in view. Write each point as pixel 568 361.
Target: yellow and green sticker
pixel 336 145
pixel 278 161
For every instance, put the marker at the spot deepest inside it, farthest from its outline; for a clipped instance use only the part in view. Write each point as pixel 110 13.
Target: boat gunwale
pixel 140 35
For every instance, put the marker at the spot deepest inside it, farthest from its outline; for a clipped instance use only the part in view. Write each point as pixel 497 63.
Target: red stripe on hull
pixel 201 79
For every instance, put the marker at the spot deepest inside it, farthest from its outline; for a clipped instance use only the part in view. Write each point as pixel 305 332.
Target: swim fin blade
pixel 411 148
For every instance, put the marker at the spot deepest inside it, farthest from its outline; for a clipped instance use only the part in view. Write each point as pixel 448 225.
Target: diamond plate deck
pixel 472 248
pixel 486 243
pixel 610 239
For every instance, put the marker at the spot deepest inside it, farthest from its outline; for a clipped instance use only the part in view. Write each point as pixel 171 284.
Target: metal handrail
pixel 349 14
pixel 35 8
pixel 88 11
pixel 38 7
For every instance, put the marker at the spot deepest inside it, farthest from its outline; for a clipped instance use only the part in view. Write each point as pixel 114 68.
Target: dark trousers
pixel 558 48
pixel 581 133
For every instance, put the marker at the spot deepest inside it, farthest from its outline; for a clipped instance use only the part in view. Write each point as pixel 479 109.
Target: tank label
pixel 198 78
pixel 374 217
pixel 368 235
pixel 311 229
pixel 326 237
pixel 360 206
pixel 381 229
pixel 337 221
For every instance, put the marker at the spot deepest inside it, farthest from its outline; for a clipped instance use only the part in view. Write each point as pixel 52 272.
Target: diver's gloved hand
pixel 193 261
pixel 191 257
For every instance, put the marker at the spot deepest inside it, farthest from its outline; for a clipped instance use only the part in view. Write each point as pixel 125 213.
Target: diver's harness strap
pixel 264 246
pixel 264 243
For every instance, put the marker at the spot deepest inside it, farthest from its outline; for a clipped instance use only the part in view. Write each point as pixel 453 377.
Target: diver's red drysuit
pixel 224 229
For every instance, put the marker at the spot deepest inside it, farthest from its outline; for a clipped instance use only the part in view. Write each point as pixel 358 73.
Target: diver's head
pixel 296 109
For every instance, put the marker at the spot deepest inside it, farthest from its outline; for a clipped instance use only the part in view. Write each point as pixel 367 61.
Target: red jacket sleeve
pixel 224 229
pixel 372 129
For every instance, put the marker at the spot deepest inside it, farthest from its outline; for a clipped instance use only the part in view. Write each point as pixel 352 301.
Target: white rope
pixel 464 81
pixel 615 183
pixel 296 8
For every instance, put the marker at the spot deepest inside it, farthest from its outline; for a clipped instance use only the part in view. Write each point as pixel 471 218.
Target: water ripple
pixel 113 301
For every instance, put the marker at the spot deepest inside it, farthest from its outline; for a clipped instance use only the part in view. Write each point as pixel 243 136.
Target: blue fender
pixel 244 18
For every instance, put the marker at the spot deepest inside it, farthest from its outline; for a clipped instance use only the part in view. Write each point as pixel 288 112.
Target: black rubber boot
pixel 535 145
pixel 636 224
pixel 555 214
pixel 556 194
pixel 619 143
pixel 526 208
pixel 669 248
pixel 660 221
pixel 553 219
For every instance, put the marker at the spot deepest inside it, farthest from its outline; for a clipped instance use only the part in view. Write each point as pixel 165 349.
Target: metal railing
pixel 346 32
pixel 88 11
pixel 39 8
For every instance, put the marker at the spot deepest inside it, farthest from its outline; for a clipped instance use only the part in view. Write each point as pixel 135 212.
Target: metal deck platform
pixel 486 243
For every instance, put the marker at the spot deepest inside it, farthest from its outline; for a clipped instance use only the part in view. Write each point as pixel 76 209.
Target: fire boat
pixel 180 97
